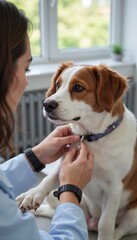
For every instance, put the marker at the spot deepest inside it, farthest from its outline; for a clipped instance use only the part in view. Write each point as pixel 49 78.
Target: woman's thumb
pixel 71 154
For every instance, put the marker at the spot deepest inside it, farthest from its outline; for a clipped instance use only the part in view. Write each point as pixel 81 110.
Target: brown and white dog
pixel 90 99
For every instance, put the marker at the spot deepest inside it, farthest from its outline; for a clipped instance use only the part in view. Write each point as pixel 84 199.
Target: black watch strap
pixel 38 166
pixel 70 188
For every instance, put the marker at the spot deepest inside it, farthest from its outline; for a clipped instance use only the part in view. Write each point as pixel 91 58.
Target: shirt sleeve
pixel 19 174
pixel 69 223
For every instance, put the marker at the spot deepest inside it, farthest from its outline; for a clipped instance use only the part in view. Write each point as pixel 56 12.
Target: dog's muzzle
pixel 50 105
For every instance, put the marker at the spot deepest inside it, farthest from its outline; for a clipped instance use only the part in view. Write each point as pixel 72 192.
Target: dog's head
pixel 78 90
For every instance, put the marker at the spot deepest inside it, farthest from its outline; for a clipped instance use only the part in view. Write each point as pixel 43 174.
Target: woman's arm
pixel 68 221
pixel 19 173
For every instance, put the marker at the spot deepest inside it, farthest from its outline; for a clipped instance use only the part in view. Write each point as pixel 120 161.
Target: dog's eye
pixel 57 86
pixel 78 88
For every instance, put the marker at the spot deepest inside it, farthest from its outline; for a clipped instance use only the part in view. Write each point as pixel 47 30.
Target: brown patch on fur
pixel 111 88
pixel 130 181
pixel 61 68
pixel 103 88
pixel 85 78
pixel 118 108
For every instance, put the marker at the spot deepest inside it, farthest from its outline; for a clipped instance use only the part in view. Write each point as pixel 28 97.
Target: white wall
pixel 129 35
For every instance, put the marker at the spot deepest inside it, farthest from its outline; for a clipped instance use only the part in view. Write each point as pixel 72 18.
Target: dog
pixel 90 99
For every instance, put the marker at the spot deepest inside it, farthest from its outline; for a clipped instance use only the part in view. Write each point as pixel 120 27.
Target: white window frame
pixel 49 49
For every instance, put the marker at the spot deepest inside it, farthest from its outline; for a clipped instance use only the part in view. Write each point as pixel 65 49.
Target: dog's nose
pixel 50 105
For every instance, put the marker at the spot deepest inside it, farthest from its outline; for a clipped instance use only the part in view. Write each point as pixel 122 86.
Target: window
pixel 83 23
pixel 70 29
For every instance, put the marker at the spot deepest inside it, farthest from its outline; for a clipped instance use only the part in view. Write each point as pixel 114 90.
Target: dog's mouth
pixel 52 117
pixel 55 118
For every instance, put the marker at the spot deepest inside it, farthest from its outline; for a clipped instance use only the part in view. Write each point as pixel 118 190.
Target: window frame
pixel 48 28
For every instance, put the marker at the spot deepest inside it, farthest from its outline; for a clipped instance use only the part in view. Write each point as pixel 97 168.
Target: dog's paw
pixel 45 210
pixel 31 199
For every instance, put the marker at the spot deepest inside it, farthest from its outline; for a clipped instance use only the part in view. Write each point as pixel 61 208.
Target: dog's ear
pixel 52 88
pixel 111 86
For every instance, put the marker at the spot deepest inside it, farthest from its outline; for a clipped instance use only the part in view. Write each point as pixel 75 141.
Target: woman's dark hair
pixel 13 31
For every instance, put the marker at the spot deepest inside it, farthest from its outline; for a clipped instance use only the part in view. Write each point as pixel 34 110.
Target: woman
pixel 17 175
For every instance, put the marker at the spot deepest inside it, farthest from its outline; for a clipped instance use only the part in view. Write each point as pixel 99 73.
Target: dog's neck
pixel 94 137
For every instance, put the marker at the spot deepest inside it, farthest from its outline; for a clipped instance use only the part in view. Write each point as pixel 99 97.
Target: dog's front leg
pixel 110 205
pixel 33 198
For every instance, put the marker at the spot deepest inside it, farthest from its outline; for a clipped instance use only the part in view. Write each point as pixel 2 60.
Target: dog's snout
pixel 50 105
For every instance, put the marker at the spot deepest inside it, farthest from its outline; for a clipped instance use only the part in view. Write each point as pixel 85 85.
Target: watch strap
pixel 69 188
pixel 38 166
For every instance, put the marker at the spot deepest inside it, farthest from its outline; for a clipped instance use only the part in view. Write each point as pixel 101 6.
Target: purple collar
pixel 94 137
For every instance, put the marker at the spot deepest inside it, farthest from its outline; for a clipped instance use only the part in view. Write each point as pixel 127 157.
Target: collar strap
pixel 94 137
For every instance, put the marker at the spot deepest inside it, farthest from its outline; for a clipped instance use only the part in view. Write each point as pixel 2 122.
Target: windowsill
pixel 41 74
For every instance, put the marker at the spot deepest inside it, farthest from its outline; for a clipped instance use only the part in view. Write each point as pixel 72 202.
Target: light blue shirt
pixel 16 177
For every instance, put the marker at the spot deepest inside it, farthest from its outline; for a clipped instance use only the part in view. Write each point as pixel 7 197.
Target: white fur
pixel 105 198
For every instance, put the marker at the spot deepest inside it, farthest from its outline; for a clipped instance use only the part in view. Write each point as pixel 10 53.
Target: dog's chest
pixel 102 180
pixel 110 167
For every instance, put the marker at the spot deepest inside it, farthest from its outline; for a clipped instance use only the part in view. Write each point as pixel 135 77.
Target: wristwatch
pixel 38 166
pixel 70 188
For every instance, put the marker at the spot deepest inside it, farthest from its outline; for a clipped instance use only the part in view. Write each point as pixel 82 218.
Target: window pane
pixel 31 9
pixel 83 23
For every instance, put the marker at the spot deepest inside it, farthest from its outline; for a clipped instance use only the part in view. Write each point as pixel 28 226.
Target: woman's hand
pixel 77 167
pixel 54 145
